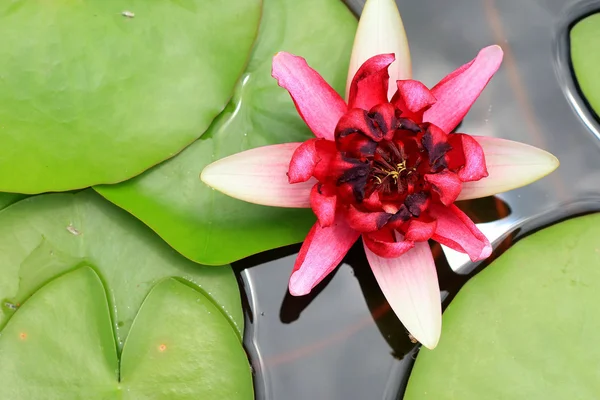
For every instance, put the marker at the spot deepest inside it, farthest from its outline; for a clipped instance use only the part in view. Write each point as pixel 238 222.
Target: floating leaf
pixel 524 328
pixel 6 199
pixel 45 236
pixel 585 56
pixel 60 345
pixel 93 92
pixel 205 225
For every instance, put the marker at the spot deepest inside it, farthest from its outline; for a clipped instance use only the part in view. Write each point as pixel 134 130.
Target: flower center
pixel 389 156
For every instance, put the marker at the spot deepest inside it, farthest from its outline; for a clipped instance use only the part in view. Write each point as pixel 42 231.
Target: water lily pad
pixel 181 347
pixel 524 328
pixel 6 199
pixel 45 236
pixel 585 56
pixel 99 91
pixel 205 225
pixel 60 345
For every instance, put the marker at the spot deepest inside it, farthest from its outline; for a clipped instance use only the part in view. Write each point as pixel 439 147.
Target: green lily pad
pixel 60 345
pixel 6 199
pixel 207 226
pixel 98 91
pixel 191 353
pixel 45 236
pixel 524 328
pixel 585 56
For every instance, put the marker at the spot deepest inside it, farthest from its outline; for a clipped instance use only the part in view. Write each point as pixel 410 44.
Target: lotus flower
pixel 384 166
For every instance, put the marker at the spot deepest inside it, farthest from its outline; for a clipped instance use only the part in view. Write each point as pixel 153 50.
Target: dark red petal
pixel 413 98
pixel 386 119
pixel 366 221
pixel 369 86
pixel 303 162
pixel 322 250
pixel 358 120
pixel 467 151
pixel 458 91
pixel 435 141
pixel 384 243
pixel 455 230
pixel 446 184
pixel 323 203
pixel 420 230
pixel 318 104
pixel 416 203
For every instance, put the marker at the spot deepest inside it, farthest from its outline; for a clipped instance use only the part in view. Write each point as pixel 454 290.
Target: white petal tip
pixel 429 339
pixel 295 287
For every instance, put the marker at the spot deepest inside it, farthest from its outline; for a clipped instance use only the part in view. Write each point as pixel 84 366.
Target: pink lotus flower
pixel 385 167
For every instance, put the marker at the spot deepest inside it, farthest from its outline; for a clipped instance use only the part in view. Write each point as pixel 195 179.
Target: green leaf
pixel 585 58
pixel 45 236
pixel 205 225
pixel 6 199
pixel 526 327
pixel 89 96
pixel 60 345
pixel 192 353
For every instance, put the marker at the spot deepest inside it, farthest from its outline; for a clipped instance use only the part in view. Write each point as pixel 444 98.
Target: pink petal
pixel 317 103
pixel 470 153
pixel 510 165
pixel 385 244
pixel 410 285
pixel 259 176
pixel 322 251
pixel 380 31
pixel 457 92
pixel 413 98
pixel 370 84
pixel 420 230
pixel 362 221
pixel 446 184
pixel 323 202
pixel 303 162
pixel 455 230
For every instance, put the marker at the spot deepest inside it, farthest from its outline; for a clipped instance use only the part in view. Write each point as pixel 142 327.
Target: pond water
pixel 343 341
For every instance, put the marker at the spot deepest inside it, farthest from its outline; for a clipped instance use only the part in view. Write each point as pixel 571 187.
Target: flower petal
pixel 413 98
pixel 410 285
pixel 366 221
pixel 385 244
pixel 457 92
pixel 446 184
pixel 259 176
pixel 369 86
pixel 455 230
pixel 420 229
pixel 322 250
pixel 510 165
pixel 469 154
pixel 323 202
pixel 318 104
pixel 303 162
pixel 380 31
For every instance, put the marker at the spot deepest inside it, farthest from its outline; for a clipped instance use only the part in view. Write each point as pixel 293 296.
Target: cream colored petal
pixel 380 30
pixel 259 176
pixel 510 165
pixel 410 285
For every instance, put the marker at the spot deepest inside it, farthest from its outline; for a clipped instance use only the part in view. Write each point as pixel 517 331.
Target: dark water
pixel 343 342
